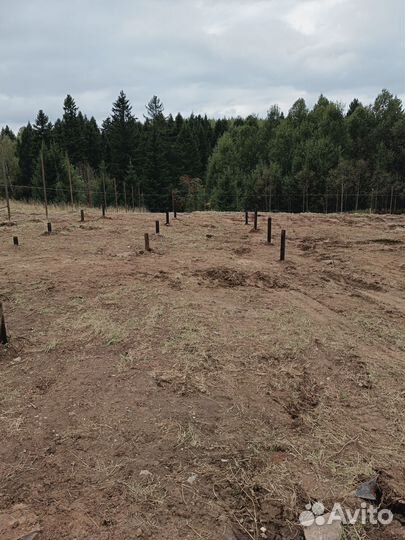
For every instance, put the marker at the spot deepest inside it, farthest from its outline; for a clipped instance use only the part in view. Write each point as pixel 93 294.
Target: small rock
pixel 145 472
pixel 367 490
pixel 30 536
pixel 191 479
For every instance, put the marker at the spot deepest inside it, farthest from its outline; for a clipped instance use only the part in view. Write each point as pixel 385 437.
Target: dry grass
pixel 149 490
pixel 271 395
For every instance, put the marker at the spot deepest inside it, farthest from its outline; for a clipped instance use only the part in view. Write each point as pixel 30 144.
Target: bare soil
pixel 201 390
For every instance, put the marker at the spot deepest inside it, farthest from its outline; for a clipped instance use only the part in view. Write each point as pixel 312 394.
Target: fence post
pixel 6 190
pixel 246 218
pixel 167 218
pixel 269 230
pixel 147 247
pixel 174 204
pixel 82 215
pixel 49 227
pixel 70 181
pixel 125 197
pixel 3 330
pixel 104 189
pixel 43 179
pixel 391 198
pixel 157 227
pixel 116 196
pixel 255 221
pixel 282 246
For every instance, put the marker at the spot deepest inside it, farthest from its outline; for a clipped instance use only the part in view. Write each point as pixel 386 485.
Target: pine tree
pixel 132 184
pixel 120 136
pixel 187 154
pixel 27 152
pixel 154 108
pixel 156 169
pixel 92 143
pixel 42 128
pixel 71 139
pixel 7 132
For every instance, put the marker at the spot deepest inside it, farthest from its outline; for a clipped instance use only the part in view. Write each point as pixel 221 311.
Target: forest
pixel 326 159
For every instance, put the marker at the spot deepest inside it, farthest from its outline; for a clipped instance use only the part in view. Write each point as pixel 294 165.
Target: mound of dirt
pixel 8 224
pixel 242 250
pixel 229 277
pixel 353 281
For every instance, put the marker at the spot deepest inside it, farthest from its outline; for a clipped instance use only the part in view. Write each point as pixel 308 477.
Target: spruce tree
pixel 27 152
pixel 7 132
pixel 154 108
pixel 120 136
pixel 42 128
pixel 71 139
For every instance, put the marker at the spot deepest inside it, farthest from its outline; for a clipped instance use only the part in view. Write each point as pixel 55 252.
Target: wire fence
pixel 384 201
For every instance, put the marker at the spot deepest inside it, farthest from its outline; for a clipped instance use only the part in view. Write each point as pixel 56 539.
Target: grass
pixel 149 490
pixel 126 362
pixel 188 436
pixel 270 396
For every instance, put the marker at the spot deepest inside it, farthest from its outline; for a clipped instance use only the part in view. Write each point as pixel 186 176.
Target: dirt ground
pixel 201 390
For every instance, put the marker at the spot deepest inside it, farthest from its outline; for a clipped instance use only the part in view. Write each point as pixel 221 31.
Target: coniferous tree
pixel 27 152
pixel 71 131
pixel 7 132
pixel 154 108
pixel 320 159
pixel 120 136
pixel 42 129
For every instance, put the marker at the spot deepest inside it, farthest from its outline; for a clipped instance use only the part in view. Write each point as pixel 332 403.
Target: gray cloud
pixel 219 57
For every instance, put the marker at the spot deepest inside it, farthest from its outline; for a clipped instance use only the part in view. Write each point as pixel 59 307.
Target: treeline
pixel 313 160
pixel 309 160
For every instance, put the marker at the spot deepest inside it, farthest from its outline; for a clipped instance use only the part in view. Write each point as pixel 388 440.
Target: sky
pixel 214 57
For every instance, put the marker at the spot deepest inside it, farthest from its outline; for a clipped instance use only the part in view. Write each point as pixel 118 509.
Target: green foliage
pixel 317 159
pixel 312 160
pixel 8 162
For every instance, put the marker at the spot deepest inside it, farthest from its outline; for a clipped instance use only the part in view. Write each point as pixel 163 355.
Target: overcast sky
pixel 220 57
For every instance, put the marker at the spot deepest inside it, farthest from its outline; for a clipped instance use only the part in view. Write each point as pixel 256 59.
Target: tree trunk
pixel 125 196
pixel 116 195
pixel 6 190
pixel 70 181
pixel 270 198
pixel 43 180
pixel 391 197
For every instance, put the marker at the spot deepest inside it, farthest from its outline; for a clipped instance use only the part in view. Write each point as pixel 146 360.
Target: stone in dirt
pixel 326 531
pixel 192 478
pixel 145 472
pixel 368 490
pixel 18 523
